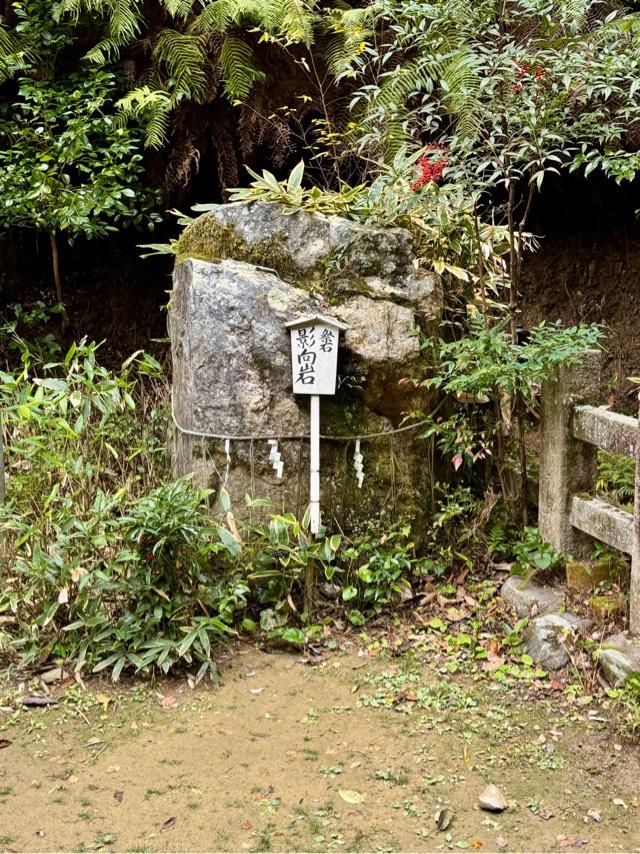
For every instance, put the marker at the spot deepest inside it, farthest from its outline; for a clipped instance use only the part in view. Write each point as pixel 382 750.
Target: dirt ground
pixel 354 753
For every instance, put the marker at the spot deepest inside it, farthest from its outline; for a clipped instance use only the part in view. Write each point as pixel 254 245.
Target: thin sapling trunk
pixel 55 260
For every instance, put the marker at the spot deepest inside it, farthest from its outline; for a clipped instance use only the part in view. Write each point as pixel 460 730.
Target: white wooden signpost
pixel 314 363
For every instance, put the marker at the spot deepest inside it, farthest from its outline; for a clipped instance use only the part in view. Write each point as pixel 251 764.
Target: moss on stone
pixel 207 239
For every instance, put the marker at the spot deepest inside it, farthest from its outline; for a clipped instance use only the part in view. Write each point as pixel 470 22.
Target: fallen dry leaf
pixel 118 795
pixel 351 796
pixel 501 842
pixel 4 742
pixel 168 702
pixel 571 842
pixel 103 700
pixel 168 824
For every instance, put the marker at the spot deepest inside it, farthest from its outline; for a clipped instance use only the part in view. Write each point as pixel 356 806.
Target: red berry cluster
pixel 535 72
pixel 431 169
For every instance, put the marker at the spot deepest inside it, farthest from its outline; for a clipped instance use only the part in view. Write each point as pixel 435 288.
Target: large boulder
pixel 231 359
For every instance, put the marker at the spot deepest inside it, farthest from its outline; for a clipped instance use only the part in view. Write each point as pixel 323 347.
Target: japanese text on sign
pixel 314 353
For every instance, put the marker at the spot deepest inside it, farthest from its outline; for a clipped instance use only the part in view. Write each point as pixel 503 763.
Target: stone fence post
pixel 634 592
pixel 567 465
pixel 2 477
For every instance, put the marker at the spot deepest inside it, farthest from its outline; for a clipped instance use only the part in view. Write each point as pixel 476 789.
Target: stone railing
pixel 572 430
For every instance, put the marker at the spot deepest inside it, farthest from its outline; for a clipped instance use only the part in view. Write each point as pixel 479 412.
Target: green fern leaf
pixel 153 108
pixel 184 58
pixel 105 51
pixel 180 9
pixel 239 72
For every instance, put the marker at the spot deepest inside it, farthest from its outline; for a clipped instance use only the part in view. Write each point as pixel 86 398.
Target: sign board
pixel 314 362
pixel 314 353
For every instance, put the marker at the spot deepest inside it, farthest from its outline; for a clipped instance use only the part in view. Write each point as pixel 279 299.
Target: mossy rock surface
pixel 208 239
pixel 329 254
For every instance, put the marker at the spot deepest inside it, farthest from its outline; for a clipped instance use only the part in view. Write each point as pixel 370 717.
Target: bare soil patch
pixel 353 754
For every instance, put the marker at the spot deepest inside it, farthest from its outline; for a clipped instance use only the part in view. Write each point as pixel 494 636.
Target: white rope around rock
pixel 381 434
pixel 275 458
pixel 227 450
pixel 358 460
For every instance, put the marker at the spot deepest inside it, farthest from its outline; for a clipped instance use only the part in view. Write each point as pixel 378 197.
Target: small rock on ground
pixel 547 638
pixel 619 658
pixel 522 595
pixel 492 799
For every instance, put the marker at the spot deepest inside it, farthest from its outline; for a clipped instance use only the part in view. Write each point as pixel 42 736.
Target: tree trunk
pixel 65 323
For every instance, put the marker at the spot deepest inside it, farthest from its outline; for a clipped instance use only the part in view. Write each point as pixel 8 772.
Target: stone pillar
pixel 567 465
pixel 2 479
pixel 634 594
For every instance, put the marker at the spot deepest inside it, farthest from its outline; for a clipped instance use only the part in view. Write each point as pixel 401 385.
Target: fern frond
pixel 153 108
pixel 180 9
pixel 221 15
pixel 415 76
pixel 217 16
pixel 239 72
pixel 125 19
pixel 396 137
pixel 350 30
pixel 72 8
pixel 573 14
pixel 105 51
pixel 291 20
pixel 11 59
pixel 456 75
pixel 460 78
pixel 184 58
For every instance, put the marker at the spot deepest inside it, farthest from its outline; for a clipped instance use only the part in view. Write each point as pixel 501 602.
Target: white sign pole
pixel 314 486
pixel 314 362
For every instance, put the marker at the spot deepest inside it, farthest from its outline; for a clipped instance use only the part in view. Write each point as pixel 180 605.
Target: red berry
pixel 428 170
